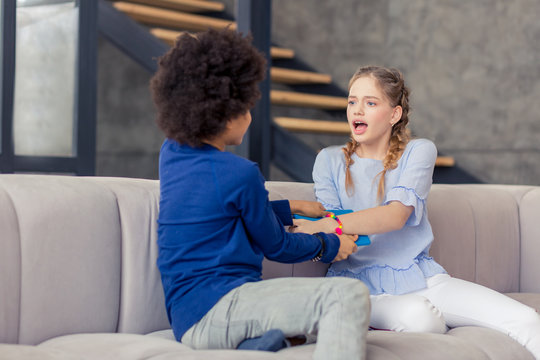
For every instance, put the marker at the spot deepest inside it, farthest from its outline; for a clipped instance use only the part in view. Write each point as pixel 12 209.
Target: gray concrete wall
pixel 128 140
pixel 473 67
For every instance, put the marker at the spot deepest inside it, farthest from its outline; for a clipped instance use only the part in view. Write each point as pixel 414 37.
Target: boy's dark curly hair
pixel 203 81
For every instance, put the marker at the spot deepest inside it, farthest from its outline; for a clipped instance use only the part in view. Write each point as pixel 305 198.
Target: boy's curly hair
pixel 203 81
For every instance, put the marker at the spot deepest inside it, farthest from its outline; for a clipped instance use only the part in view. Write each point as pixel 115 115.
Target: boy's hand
pixel 307 208
pixel 327 225
pixel 346 246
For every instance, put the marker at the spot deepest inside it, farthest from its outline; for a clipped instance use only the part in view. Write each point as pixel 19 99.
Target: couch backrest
pixel 489 234
pixel 77 255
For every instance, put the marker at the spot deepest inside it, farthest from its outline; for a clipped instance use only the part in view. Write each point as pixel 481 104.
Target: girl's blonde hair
pixel 392 84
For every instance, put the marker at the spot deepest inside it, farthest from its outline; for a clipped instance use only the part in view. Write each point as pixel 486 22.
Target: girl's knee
pixel 408 313
pixel 422 316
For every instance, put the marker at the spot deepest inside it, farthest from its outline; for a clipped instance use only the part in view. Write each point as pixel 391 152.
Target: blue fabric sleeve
pixel 332 247
pixel 325 187
pixel 266 230
pixel 415 180
pixel 282 209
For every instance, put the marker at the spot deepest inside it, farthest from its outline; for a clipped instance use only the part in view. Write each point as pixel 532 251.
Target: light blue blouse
pixel 396 262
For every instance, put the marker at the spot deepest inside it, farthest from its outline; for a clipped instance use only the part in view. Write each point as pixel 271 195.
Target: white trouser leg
pixel 408 313
pixel 464 303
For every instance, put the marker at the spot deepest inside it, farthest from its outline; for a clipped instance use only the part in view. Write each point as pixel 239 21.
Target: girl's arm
pixel 405 200
pixel 326 189
pixel 375 220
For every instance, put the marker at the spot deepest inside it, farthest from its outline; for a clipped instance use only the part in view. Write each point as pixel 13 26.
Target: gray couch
pixel 78 277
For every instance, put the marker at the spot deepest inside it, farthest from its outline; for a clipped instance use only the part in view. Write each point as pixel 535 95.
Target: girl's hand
pixel 325 225
pixel 307 208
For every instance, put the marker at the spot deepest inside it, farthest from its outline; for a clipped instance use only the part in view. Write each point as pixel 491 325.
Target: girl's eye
pixel 351 102
pixel 371 103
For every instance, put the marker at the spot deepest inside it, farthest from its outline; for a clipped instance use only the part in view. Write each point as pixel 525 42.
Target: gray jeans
pixel 336 310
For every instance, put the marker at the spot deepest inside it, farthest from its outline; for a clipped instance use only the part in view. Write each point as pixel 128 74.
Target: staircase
pixel 167 19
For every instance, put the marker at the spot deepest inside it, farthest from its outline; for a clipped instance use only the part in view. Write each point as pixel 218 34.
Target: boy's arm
pixel 266 230
pixel 283 211
pixel 285 208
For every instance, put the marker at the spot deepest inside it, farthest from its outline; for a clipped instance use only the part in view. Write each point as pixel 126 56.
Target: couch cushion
pixel 142 303
pixel 465 343
pixel 69 238
pixel 529 299
pixel 452 220
pixel 135 347
pixel 462 343
pixel 31 352
pixel 10 270
pixel 477 234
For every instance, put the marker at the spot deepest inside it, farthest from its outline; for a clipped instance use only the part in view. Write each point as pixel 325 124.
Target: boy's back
pixel 202 188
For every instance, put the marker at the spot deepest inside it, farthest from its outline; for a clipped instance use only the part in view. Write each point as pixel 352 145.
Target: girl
pixel 385 178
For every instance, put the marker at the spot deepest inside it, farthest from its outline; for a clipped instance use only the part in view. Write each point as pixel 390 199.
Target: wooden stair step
pixel 445 161
pixel 281 53
pixel 184 5
pixel 171 18
pixel 170 36
pixel 291 98
pixel 336 128
pixel 290 76
pixel 313 126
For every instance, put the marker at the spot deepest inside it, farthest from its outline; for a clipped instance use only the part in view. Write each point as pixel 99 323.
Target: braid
pixel 398 142
pixel 399 137
pixel 348 150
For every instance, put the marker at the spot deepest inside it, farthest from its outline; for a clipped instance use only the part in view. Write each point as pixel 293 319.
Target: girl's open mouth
pixel 360 127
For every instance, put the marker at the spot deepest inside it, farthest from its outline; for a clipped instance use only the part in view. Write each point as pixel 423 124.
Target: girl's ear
pixel 396 114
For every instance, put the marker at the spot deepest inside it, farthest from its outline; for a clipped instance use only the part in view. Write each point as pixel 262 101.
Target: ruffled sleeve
pixel 325 185
pixel 415 179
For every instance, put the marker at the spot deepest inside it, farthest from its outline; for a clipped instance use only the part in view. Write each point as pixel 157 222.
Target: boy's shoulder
pixel 240 168
pixel 237 160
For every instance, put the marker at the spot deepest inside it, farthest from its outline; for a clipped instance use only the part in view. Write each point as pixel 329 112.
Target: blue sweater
pixel 215 226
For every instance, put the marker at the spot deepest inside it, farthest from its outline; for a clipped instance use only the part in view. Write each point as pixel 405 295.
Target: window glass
pixel 45 77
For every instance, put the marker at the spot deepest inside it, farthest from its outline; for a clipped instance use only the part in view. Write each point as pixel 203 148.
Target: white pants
pixel 451 302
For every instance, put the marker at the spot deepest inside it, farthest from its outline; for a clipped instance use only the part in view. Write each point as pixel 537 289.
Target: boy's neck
pixel 217 142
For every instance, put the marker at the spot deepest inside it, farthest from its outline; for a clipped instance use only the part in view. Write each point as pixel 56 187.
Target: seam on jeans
pixel 229 311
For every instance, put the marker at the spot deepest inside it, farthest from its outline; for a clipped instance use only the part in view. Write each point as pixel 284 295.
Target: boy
pixel 216 223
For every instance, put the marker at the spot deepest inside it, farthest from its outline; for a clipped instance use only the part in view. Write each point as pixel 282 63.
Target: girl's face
pixel 369 112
